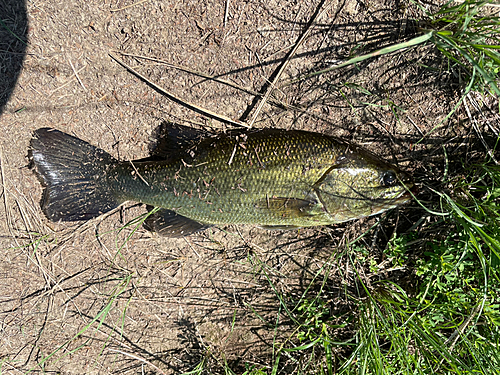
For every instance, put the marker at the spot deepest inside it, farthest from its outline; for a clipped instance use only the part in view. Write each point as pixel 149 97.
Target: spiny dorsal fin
pixel 173 138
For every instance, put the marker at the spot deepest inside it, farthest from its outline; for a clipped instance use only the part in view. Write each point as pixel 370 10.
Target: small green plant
pixel 315 315
pixel 398 246
pixel 253 370
pixel 452 285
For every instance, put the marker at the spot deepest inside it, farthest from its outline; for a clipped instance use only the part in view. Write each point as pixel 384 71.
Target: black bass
pixel 277 179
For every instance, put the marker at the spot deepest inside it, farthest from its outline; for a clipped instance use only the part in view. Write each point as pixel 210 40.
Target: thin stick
pixel 460 330
pixel 226 11
pixel 76 74
pixel 8 213
pixel 232 155
pixel 138 174
pixel 299 42
pixel 478 132
pixel 128 6
pixel 66 83
pixel 177 100
pixel 138 358
pixel 195 72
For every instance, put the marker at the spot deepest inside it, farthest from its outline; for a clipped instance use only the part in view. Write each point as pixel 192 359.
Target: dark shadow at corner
pixel 13 43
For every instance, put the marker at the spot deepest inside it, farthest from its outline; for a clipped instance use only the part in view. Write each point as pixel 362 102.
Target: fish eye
pixel 389 178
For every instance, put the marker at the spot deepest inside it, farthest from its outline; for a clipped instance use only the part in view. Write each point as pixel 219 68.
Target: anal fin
pixel 170 224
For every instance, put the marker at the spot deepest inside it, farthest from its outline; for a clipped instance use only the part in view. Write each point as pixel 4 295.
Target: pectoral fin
pixel 288 207
pixel 169 224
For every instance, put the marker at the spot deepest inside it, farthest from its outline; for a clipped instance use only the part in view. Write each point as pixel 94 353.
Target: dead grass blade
pixel 194 72
pixel 76 74
pixel 191 106
pixel 134 356
pixel 319 13
pixel 8 212
pixel 127 6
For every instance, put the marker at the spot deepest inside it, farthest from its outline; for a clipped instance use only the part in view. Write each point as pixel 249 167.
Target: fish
pixel 273 178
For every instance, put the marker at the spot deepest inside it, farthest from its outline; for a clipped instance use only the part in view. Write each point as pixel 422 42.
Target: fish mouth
pixel 409 194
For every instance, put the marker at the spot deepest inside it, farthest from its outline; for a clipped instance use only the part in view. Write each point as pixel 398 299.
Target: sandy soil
pixel 79 298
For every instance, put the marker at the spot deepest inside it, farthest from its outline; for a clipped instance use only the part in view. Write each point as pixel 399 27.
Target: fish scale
pixel 241 174
pixel 270 177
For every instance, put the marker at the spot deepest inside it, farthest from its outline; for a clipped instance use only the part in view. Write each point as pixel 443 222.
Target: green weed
pixel 450 323
pixel 468 35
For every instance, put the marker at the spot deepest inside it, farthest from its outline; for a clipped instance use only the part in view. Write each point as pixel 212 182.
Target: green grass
pixel 448 321
pixel 468 37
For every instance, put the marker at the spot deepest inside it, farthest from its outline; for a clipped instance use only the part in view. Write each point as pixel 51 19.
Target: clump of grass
pixel 396 335
pixel 468 35
pixel 451 322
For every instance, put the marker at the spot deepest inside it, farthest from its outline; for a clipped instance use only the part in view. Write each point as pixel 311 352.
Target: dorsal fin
pixel 169 139
pixel 173 138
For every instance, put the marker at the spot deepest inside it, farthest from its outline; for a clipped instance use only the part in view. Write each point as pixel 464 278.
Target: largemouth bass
pixel 277 179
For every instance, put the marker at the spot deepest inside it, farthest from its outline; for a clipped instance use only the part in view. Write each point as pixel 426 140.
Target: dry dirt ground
pixel 80 298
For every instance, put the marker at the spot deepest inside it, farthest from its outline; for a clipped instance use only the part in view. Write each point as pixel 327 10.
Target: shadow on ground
pixel 13 43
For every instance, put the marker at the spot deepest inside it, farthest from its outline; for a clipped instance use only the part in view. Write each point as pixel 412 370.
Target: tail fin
pixel 74 175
